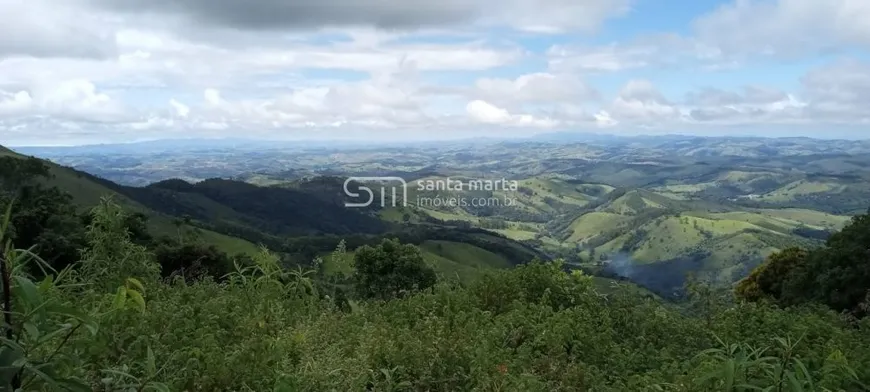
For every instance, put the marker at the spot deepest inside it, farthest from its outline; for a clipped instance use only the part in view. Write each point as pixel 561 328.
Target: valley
pixel 667 206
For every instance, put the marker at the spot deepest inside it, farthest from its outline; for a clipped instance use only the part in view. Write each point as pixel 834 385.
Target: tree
pixel 391 270
pixel 836 275
pixel 137 226
pixel 42 216
pixel 767 280
pixel 187 233
pixel 192 261
pixel 15 173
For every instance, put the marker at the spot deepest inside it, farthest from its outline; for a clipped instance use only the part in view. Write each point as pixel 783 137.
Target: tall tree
pixel 391 270
pixel 836 275
pixel 43 216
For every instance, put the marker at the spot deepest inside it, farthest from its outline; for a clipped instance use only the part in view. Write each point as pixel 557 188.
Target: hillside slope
pixel 299 222
pixel 657 242
pixel 87 191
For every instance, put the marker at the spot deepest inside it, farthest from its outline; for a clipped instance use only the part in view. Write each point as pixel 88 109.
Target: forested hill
pixel 233 216
pixel 278 211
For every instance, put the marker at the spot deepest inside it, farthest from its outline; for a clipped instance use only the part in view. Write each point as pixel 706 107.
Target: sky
pixel 107 71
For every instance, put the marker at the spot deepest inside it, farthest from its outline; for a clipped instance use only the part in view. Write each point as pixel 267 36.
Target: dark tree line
pixel 836 274
pixel 517 253
pixel 44 217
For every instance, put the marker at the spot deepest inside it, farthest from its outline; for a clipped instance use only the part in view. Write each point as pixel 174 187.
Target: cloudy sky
pixel 93 71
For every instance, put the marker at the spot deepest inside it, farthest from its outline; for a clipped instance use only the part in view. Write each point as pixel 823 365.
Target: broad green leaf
pixel 136 284
pixel 804 372
pixel 26 289
pixel 137 299
pixel 43 265
pixel 46 283
pixel 32 331
pixel 151 364
pixel 794 384
pixel 120 298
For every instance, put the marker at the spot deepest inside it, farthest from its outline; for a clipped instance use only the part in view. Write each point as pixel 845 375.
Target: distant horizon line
pixel 539 136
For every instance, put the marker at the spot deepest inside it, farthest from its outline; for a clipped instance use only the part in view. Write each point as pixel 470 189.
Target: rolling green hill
pixel 593 223
pixel 657 224
pixel 660 224
pixel 670 203
pixel 6 151
pixel 87 192
pixel 234 215
pixel 452 261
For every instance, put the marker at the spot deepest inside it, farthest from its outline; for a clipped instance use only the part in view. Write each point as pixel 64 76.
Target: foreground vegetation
pixel 110 322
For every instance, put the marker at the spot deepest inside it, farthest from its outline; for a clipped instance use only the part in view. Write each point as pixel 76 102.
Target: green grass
pixel 732 239
pixel 159 225
pixel 786 220
pixel 552 188
pixel 675 196
pixel 808 217
pixel 684 188
pixel 631 203
pixel 666 239
pixel 451 270
pixel 792 190
pixel 450 260
pixel 737 176
pixel 87 194
pixel 589 225
pixel 84 191
pixel 672 237
pixel 7 152
pixel 770 222
pixel 466 254
pixel 535 195
pixel 741 177
pixel 608 286
pixel 450 216
pixel 446 268
pixel 729 252
pixel 397 214
pixel 335 265
pixel 391 214
pixel 514 234
pixel 262 180
pixel 229 244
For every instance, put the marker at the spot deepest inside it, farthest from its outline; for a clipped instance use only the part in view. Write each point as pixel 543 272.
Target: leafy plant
pixel 37 322
pixel 110 323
